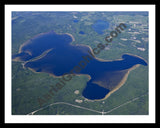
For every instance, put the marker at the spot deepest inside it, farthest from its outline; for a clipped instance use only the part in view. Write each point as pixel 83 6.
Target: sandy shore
pixel 73 39
pixel 122 82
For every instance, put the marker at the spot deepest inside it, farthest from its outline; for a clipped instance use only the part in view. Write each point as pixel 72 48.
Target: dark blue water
pixel 63 57
pixel 75 21
pixel 99 26
pixel 94 91
pixel 81 32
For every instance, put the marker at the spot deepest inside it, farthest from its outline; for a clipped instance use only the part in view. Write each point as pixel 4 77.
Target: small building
pixel 124 39
pixel 76 92
pixel 78 101
pixel 141 49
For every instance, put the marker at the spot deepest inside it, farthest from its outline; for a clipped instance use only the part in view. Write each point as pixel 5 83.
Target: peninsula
pixel 54 54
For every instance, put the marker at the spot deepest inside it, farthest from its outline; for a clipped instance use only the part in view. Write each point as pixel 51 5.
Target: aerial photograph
pixel 80 63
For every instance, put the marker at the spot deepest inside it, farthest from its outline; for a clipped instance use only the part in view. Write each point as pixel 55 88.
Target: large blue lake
pixel 99 26
pixel 52 53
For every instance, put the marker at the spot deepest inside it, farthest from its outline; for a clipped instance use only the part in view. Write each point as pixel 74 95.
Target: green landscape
pixel 28 86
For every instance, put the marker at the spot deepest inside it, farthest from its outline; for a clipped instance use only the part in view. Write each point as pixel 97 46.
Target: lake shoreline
pixel 122 82
pixel 88 51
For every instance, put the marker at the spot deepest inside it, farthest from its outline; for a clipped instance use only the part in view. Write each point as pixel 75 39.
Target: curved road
pixel 81 107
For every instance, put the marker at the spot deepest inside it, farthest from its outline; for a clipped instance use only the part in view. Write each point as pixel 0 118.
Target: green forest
pixel 28 86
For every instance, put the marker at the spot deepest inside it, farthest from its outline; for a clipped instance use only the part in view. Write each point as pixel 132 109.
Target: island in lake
pixel 54 54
